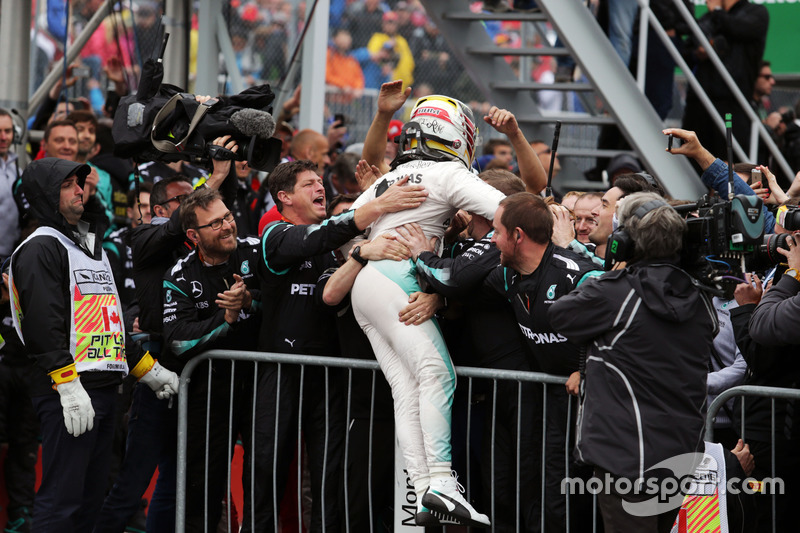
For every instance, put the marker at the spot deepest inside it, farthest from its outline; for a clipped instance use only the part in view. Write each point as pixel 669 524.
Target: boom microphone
pixel 254 122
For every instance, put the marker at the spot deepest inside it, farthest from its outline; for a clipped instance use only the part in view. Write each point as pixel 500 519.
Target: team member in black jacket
pixel 292 259
pixel 533 274
pixel 650 331
pixel 66 309
pixel 211 301
pixel 152 424
pixel 120 255
pixel 19 428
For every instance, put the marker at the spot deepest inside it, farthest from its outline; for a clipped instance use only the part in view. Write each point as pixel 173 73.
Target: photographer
pixel 649 332
pixel 769 343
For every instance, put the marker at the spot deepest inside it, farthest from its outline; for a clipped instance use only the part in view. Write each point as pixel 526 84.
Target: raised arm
pixel 715 171
pixel 530 167
pixel 390 99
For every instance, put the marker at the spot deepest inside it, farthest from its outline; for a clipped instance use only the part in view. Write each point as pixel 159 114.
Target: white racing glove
pixel 78 410
pixel 162 381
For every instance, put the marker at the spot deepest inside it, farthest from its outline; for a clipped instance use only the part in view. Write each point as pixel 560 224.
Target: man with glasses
pixel 762 90
pixel 210 300
pixel 151 429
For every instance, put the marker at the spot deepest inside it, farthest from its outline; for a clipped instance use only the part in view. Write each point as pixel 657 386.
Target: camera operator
pixel 769 343
pixel 649 331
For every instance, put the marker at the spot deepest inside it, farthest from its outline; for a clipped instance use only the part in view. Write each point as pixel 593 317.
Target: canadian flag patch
pixel 111 319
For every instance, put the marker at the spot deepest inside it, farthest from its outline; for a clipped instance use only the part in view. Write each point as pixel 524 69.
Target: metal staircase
pixel 608 76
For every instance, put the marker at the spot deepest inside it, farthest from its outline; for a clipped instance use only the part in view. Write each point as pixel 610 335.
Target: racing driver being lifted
pixel 437 147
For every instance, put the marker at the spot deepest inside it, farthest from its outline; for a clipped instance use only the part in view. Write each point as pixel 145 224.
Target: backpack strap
pixel 169 146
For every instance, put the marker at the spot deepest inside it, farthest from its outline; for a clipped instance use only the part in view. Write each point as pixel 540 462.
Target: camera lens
pixel 791 220
pixel 768 251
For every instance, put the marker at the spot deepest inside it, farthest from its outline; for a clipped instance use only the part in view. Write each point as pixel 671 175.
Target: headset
pixel 18 124
pixel 620 245
pixel 20 129
pixel 649 179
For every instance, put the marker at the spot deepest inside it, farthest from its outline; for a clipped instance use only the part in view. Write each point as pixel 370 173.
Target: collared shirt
pixel 9 214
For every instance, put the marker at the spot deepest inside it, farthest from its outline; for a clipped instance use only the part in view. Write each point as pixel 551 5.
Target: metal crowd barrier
pixel 743 391
pixel 194 370
pixel 467 379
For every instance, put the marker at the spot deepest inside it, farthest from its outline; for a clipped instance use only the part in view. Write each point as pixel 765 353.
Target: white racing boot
pixel 444 498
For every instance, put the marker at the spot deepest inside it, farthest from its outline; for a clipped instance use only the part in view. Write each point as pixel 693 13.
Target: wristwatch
pixel 357 256
pixel 792 273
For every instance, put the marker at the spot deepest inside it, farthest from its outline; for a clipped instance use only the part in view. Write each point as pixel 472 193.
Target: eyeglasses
pixel 766 76
pixel 179 199
pixel 216 225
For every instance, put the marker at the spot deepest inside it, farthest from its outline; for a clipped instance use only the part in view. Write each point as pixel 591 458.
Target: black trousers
pixel 212 431
pixel 617 520
pixel 523 400
pixel 697 119
pixel 281 399
pixel 380 476
pixel 19 428
pixel 74 469
pixel 560 463
pixel 787 467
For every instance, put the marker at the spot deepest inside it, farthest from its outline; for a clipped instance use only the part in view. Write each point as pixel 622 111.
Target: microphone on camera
pixel 254 122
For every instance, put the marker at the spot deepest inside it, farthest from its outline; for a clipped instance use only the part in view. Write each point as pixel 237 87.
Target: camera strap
pixel 169 146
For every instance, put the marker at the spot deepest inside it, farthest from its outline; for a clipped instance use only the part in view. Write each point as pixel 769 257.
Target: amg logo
pixel 305 289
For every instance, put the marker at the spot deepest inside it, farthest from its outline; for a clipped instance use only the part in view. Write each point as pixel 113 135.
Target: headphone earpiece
pixel 619 248
pixel 620 245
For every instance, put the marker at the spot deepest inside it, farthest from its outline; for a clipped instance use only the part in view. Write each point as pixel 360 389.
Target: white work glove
pixel 163 382
pixel 78 410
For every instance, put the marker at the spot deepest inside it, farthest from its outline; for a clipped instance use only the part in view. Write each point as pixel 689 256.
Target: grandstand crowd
pixel 414 245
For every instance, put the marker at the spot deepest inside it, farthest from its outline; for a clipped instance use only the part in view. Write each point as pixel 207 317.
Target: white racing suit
pixel 415 359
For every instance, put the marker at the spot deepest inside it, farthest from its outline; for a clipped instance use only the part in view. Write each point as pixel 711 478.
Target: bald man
pixel 311 145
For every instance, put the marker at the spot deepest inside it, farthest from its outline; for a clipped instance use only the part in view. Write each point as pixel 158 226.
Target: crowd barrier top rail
pixel 745 390
pixel 306 360
pixel 363 364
